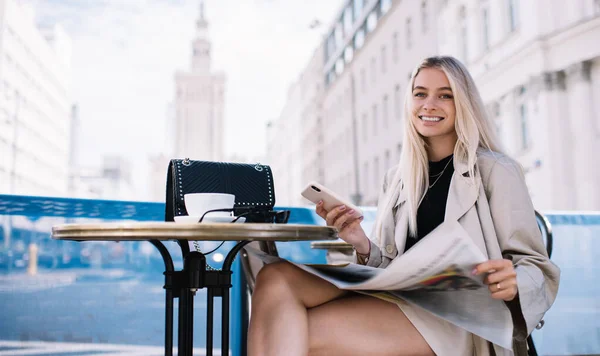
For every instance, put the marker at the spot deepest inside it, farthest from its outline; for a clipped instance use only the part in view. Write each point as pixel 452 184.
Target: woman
pixel 451 169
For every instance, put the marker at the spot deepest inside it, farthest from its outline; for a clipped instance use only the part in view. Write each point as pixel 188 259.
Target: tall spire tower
pixel 199 102
pixel 201 44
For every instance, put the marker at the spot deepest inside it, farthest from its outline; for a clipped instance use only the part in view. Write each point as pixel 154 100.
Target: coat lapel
pixel 400 221
pixel 462 194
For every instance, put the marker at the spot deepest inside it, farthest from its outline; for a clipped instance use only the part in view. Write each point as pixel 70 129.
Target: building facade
pixel 35 104
pixel 199 103
pixel 112 180
pixel 294 149
pixel 370 52
pixel 537 65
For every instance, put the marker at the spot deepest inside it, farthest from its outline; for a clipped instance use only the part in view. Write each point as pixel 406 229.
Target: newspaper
pixel 435 274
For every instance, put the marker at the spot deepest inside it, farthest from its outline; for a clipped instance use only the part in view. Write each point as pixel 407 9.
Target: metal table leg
pixel 225 290
pixel 195 275
pixel 209 320
pixel 169 295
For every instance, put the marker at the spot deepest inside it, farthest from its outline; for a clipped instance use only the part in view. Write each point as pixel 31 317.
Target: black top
pixel 433 207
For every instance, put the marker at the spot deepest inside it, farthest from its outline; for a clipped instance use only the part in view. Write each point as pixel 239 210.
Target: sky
pixel 125 54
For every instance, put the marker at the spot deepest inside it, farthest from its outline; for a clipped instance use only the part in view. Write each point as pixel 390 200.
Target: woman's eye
pixel 420 95
pixel 446 96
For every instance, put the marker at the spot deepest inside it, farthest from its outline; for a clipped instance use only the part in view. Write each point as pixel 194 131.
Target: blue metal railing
pixel 107 293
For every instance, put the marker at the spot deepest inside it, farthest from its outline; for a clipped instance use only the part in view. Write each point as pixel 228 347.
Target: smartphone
pixel 316 192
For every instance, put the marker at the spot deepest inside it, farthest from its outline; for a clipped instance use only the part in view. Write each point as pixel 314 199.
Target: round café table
pixel 195 274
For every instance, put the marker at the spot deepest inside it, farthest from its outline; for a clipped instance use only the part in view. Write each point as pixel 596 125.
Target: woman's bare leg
pixel 279 319
pixel 294 312
pixel 363 325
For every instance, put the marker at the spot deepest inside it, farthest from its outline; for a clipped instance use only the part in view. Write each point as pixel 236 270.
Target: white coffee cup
pixel 197 204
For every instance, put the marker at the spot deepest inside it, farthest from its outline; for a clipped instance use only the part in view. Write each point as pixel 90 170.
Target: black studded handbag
pixel 252 185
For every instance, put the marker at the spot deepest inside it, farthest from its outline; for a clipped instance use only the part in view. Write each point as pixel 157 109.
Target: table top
pixel 141 231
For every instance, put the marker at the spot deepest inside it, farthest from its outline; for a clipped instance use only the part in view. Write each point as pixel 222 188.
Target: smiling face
pixel 433 108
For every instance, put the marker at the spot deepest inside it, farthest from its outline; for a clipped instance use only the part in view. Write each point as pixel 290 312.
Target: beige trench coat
pixel 499 217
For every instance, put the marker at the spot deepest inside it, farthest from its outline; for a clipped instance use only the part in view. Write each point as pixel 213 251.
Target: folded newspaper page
pixel 435 274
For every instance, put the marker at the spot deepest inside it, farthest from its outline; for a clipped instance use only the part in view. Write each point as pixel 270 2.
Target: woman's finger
pixel 320 210
pixel 501 275
pixel 492 266
pixel 345 219
pixel 507 294
pixel 333 214
pixel 502 285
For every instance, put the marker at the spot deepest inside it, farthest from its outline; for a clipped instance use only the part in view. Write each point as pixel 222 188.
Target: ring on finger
pixel 498 286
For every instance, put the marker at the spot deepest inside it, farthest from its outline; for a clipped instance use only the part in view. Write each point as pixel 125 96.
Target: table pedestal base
pixel 196 274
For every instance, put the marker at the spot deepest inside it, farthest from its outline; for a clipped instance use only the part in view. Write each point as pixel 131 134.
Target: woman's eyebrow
pixel 423 88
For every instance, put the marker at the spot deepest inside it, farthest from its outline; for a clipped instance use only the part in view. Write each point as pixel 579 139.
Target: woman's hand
pixel 347 222
pixel 501 279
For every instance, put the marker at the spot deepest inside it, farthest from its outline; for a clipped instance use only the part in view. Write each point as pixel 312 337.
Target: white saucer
pixel 207 219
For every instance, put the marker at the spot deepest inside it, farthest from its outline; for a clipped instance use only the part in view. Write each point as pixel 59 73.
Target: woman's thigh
pixel 285 280
pixel 362 325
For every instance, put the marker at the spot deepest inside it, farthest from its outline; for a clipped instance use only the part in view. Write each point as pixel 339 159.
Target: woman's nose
pixel 429 104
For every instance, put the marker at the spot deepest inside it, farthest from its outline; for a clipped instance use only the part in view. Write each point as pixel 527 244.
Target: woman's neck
pixel 439 148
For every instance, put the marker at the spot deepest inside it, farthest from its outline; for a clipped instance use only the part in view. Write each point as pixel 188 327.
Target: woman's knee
pixel 274 277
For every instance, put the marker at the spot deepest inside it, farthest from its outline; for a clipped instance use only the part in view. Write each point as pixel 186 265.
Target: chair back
pixel 546 229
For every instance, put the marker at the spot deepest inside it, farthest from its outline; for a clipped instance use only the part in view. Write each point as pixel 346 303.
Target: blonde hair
pixel 472 127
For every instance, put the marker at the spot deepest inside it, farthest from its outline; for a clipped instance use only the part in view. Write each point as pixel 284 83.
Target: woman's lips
pixel 430 120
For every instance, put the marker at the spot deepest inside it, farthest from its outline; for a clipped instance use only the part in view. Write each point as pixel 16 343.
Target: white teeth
pixel 431 118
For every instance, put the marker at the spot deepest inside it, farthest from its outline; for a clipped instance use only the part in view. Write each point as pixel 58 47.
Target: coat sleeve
pixel 520 240
pixel 376 258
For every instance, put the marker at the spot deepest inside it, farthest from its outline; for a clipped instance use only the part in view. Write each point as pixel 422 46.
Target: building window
pixel 365 127
pixel 513 14
pixel 375 120
pixel 408 32
pixel 338 34
pixel 330 48
pixel 330 77
pixel 398 152
pixel 384 111
pixel 372 21
pixel 524 127
pixel 395 47
pixel 463 33
pixel 485 20
pixel 347 20
pixel 358 6
pixel 385 6
pixel 376 171
pixel 387 161
pixel 397 102
pixel 367 175
pixel 348 54
pixel 373 69
pixel 359 39
pixel 339 66
pixel 363 80
pixel 424 24
pixel 383 59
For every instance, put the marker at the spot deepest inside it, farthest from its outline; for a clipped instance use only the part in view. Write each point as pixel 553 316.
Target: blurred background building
pixel 293 139
pixel 536 63
pixel 199 103
pixel 35 104
pixel 111 180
